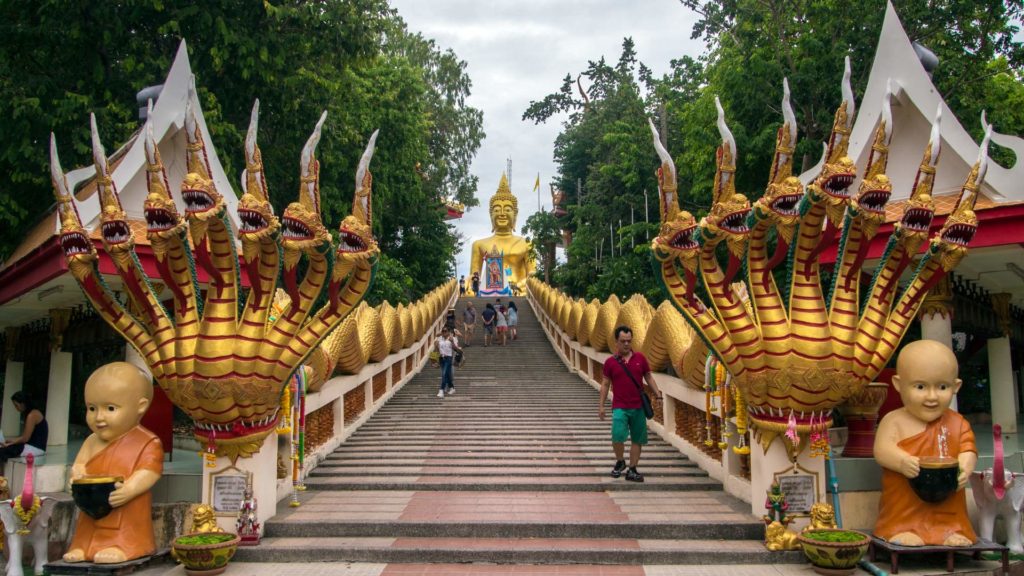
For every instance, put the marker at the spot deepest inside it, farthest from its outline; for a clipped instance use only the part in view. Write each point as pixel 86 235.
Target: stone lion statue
pixel 204 520
pixel 822 516
pixel 777 537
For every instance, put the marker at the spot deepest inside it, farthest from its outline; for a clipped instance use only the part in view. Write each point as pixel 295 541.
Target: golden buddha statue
pixel 504 249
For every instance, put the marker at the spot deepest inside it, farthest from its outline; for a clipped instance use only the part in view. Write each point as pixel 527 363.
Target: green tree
pixel 543 232
pixel 354 58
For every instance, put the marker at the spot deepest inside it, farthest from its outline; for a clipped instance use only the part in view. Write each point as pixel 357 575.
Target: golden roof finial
pixel 667 186
pixel 725 185
pixel 839 142
pixel 879 158
pixel 785 141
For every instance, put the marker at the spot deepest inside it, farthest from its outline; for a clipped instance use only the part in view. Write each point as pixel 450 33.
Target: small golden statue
pixel 823 517
pixel 778 537
pixel 204 520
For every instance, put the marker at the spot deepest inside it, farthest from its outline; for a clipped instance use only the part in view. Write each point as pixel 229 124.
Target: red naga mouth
pixel 116 232
pixel 786 205
pixel 350 242
pixel 959 234
pixel 874 201
pixel 736 222
pixel 683 240
pixel 917 219
pixel 235 429
pixel 838 185
pixel 75 243
pixel 292 229
pixel 158 220
pixel 251 221
pixel 197 201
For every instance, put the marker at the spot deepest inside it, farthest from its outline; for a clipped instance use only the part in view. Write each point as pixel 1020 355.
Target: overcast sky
pixel 518 51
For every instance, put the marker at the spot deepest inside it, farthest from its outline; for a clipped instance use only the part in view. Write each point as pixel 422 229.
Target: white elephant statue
pixel 35 530
pixel 1009 507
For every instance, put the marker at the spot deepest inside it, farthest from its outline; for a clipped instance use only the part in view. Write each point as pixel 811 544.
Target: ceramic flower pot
pixel 937 480
pixel 205 553
pixel 834 551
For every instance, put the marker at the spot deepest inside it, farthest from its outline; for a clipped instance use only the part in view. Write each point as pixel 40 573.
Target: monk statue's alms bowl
pixel 937 480
pixel 92 494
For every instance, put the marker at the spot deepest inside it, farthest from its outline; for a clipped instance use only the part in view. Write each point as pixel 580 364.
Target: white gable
pixel 168 129
pixel 914 103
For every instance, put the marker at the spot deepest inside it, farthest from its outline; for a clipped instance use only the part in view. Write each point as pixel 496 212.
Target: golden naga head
pixel 960 226
pixel 78 249
pixel 114 229
pixel 875 189
pixel 504 208
pixel 162 218
pixel 839 171
pixel 301 226
pixel 202 201
pixel 779 205
pixel 677 236
pixel 255 213
pixel 355 235
pixel 916 220
pixel 728 217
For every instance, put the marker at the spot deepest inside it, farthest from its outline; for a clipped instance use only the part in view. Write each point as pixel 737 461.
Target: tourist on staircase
pixel 462 286
pixel 622 373
pixel 468 322
pixel 476 283
pixel 513 320
pixel 502 323
pixel 446 347
pixel 488 317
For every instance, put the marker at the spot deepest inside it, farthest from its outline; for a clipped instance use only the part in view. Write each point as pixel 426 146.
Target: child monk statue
pixel 116 397
pixel 926 379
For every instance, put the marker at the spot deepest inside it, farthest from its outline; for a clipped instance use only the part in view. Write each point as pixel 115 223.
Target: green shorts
pixel 629 423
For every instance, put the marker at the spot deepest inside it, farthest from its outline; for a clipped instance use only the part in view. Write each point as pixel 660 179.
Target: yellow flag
pixel 536 185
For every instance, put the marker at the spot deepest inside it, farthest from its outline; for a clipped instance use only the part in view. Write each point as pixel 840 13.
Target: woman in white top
pixel 513 320
pixel 502 324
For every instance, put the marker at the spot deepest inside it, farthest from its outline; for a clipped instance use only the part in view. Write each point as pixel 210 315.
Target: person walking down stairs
pixel 446 347
pixel 622 373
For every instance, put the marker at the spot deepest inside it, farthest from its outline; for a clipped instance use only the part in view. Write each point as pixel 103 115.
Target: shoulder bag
pixel 648 409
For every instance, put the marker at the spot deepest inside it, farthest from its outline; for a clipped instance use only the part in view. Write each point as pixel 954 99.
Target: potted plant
pixel 834 551
pixel 205 553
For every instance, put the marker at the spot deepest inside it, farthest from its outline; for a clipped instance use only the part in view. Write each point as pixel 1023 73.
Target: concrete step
pixel 513 550
pixel 507 482
pixel 531 470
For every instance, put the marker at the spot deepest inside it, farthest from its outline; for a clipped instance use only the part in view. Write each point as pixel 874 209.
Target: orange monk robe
pixel 129 527
pixel 900 510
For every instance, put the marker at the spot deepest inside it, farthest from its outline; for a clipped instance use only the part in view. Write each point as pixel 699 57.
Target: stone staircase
pixel 512 468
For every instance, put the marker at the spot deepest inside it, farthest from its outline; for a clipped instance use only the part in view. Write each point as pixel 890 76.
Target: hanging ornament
pixel 709 394
pixel 741 422
pixel 791 431
pixel 284 427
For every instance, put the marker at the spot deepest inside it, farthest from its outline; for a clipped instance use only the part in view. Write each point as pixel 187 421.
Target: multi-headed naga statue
pixel 224 360
pixel 799 353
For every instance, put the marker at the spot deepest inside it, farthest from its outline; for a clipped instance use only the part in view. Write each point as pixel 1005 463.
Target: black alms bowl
pixel 937 480
pixel 92 494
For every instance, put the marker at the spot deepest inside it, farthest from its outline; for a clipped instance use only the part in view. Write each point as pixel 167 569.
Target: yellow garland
pixel 741 422
pixel 285 426
pixel 26 516
pixel 723 394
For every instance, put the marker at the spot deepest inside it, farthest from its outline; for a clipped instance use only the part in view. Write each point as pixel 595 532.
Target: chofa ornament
pixel 224 361
pixel 801 349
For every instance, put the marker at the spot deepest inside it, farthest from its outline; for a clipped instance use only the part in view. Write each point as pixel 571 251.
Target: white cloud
pixel 519 51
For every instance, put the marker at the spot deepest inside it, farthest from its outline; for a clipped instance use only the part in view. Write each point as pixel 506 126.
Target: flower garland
pixel 741 422
pixel 26 516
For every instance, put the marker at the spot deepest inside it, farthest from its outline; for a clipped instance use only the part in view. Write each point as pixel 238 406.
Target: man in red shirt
pixel 628 420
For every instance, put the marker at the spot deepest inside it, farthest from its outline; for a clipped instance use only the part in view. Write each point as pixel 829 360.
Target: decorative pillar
pixel 14 375
pixel 58 391
pixel 777 460
pixel 1000 369
pixel 223 483
pixel 936 315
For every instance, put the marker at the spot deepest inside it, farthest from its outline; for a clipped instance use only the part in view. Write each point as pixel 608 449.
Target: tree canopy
pixel 604 153
pixel 61 59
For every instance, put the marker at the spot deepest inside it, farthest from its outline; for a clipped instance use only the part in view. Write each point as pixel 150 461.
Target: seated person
pixel 33 434
pixel 926 379
pixel 116 397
